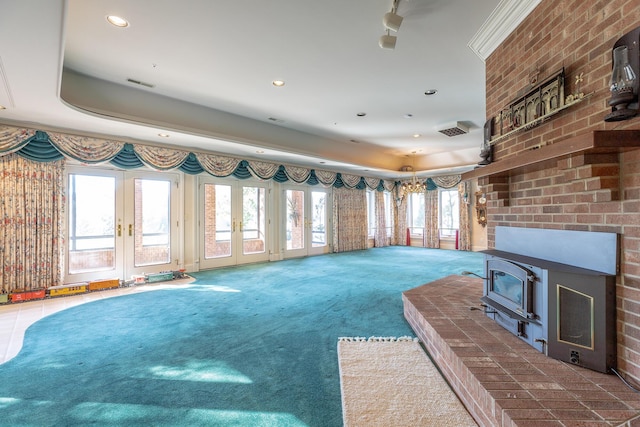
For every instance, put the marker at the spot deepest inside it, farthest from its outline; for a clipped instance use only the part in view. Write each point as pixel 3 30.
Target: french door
pixel 233 222
pixel 306 222
pixel 120 223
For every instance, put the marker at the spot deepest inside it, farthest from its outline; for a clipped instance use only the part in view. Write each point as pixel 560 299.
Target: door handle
pixel 241 226
pixel 130 229
pixel 119 230
pixel 233 227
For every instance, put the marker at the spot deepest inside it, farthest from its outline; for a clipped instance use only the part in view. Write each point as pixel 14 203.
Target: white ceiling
pixel 211 64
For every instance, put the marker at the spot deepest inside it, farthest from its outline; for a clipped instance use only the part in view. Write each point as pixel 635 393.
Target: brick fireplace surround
pixel 500 379
pixel 574 171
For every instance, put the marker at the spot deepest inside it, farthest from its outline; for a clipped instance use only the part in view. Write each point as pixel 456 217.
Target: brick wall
pixel 583 192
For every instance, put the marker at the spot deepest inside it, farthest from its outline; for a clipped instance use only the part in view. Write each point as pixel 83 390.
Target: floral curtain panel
pixel 32 212
pixel 400 219
pixel 431 231
pixel 464 235
pixel 349 220
pixel 380 238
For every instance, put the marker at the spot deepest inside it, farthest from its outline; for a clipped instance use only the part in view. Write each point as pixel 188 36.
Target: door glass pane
pixel 253 220
pixel 152 222
pixel 91 223
pixel 319 219
pixel 295 219
pixel 388 213
pixel 416 212
pixel 217 221
pixel 449 213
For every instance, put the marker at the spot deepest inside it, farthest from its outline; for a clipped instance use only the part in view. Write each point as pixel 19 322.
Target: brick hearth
pixel 503 381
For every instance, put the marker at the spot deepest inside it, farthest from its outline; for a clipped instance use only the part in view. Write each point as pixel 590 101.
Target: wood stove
pixel 555 290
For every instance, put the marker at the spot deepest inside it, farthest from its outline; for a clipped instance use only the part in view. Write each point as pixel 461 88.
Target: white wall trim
pixel 503 21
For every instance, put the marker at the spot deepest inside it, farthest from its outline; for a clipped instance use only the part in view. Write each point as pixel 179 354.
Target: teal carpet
pixel 245 346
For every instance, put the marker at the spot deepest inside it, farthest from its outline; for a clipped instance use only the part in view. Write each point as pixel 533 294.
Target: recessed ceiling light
pixel 2 107
pixel 355 141
pixel 260 151
pixel 278 83
pixel 322 163
pixel 361 114
pixel 164 135
pixel 416 135
pixel 117 21
pixel 408 116
pixel 430 92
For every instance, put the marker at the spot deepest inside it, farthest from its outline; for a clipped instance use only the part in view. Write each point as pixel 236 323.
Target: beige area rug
pixel 391 382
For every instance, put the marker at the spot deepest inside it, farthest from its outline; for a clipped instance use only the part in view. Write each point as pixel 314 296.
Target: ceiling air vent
pixel 138 82
pixel 454 129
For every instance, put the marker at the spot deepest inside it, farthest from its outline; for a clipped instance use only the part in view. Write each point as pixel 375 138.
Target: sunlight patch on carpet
pixel 8 401
pixel 212 371
pixel 211 288
pixel 387 381
pixel 112 414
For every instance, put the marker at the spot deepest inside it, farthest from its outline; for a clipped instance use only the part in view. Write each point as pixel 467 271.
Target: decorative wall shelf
pixel 599 141
pixel 569 103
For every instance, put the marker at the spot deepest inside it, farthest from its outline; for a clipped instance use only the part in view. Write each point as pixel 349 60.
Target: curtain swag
pixel 87 150
pixel 446 181
pixel 262 170
pixel 350 181
pixel 51 146
pixel 326 178
pixel 297 174
pixel 160 158
pixel 13 139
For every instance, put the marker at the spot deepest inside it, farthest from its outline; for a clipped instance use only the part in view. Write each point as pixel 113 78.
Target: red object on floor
pixel 457 241
pixel 408 237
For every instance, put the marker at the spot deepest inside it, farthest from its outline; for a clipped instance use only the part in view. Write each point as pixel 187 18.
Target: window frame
pixel 416 230
pixel 371 214
pixel 455 214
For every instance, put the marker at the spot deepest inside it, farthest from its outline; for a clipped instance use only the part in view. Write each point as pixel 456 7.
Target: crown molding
pixel 503 21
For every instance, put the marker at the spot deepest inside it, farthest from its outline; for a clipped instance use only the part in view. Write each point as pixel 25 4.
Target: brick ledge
pixel 501 380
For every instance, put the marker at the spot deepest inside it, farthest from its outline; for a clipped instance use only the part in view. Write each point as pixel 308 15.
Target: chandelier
pixel 413 186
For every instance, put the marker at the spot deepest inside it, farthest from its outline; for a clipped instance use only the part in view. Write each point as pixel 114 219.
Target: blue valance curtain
pixel 51 146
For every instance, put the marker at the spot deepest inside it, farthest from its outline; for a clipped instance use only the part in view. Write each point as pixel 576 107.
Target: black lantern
pixel 623 83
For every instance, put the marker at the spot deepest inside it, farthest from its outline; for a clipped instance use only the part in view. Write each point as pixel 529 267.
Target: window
pixel 448 212
pixel 388 213
pixel 371 212
pixel 415 213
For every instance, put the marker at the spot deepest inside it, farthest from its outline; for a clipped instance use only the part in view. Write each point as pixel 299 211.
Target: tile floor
pixel 16 318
